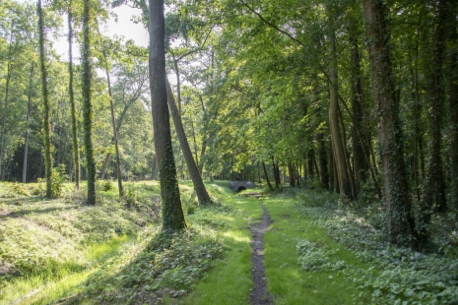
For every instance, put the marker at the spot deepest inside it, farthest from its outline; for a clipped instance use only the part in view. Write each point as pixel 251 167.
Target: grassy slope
pixel 46 245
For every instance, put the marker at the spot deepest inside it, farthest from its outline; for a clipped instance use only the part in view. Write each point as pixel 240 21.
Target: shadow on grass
pixel 162 268
pixel 25 212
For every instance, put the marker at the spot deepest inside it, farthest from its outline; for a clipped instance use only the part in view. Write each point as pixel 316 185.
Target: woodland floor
pixel 292 246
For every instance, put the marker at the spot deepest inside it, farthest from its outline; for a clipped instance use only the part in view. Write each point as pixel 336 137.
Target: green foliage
pixel 18 189
pixel 312 257
pixel 394 275
pixel 59 177
pixel 107 185
pixel 131 193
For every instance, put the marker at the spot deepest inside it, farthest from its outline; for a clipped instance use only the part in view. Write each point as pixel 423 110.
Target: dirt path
pixel 259 294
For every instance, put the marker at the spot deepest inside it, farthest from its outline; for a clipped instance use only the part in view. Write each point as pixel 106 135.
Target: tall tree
pixel 46 110
pixel 453 101
pixel 343 174
pixel 75 148
pixel 396 193
pixel 172 213
pixel 29 109
pixel 199 186
pixel 434 185
pixel 87 106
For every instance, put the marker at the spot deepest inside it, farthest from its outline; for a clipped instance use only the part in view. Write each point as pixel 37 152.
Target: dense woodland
pixel 357 97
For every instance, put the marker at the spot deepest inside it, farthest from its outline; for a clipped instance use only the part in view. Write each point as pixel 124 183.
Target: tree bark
pixel 434 185
pixel 115 134
pixel 9 73
pixel 323 161
pixel 29 108
pixel 336 136
pixel 292 178
pixel 199 186
pixel 87 106
pixel 397 200
pixel 266 175
pixel 360 151
pixel 172 213
pixel 76 155
pixel 453 101
pixel 46 111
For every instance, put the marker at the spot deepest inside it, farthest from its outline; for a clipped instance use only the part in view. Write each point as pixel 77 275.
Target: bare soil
pixel 259 294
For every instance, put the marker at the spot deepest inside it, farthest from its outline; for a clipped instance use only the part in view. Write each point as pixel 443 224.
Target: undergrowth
pixel 395 275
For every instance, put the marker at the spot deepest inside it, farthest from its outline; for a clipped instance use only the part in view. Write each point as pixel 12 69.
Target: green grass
pixel 48 246
pixel 229 282
pixel 287 282
pixel 315 252
pixel 46 288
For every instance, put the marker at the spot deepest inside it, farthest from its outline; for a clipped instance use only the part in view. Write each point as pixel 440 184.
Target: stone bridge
pixel 241 185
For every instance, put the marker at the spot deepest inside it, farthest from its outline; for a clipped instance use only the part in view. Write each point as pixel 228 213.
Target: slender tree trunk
pixel 266 175
pixel 199 186
pixel 323 160
pixel 310 163
pixel 9 73
pixel 453 100
pixel 87 106
pixel 29 108
pixel 434 185
pixel 172 213
pixel 292 178
pixel 115 134
pixel 360 151
pixel 195 146
pixel 396 194
pixel 46 111
pixel 418 137
pixel 76 155
pixel 105 165
pixel 336 136
pixel 275 173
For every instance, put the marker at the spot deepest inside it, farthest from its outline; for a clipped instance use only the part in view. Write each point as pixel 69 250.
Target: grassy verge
pixel 288 282
pixel 320 253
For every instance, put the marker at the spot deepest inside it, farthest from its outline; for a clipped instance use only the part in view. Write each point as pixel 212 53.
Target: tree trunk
pixel 46 111
pixel 154 168
pixel 199 186
pixel 115 134
pixel 172 213
pixel 105 166
pixel 87 106
pixel 29 108
pixel 323 160
pixel 396 194
pixel 292 178
pixel 336 136
pixel 9 73
pixel 266 175
pixel 434 185
pixel 453 93
pixel 276 173
pixel 76 155
pixel 310 164
pixel 360 151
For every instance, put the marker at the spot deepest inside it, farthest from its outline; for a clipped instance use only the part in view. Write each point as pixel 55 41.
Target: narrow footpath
pixel 259 294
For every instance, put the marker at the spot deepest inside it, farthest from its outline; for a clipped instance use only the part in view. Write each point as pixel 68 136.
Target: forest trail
pixel 259 294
